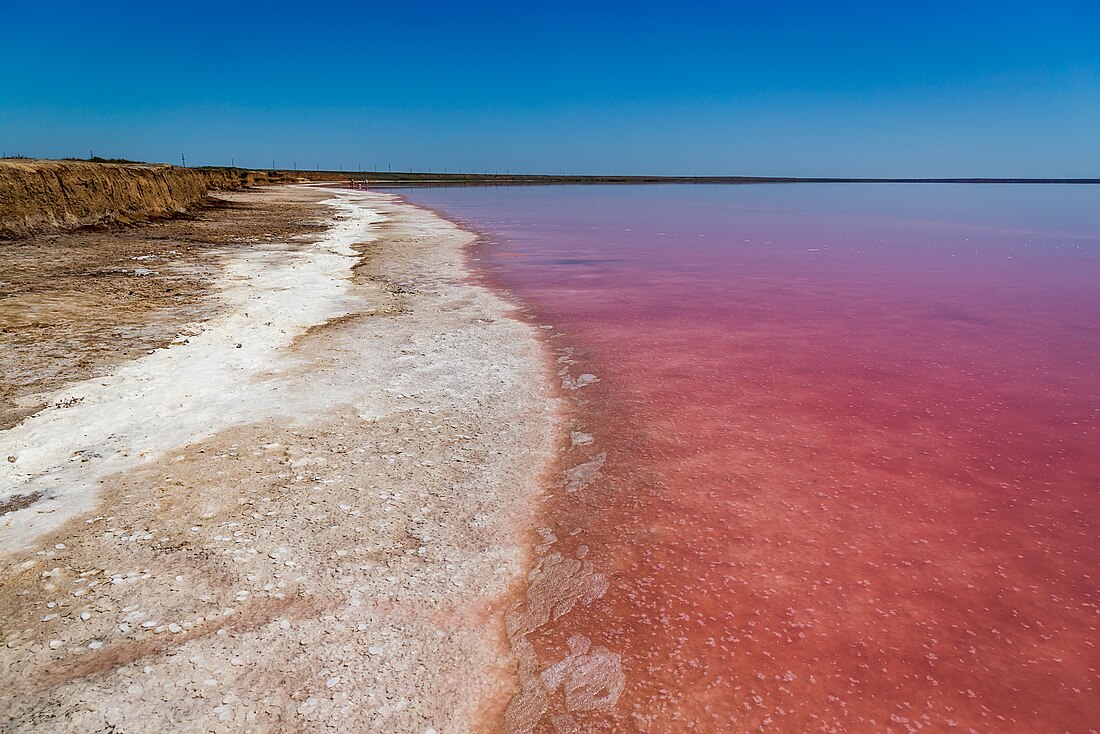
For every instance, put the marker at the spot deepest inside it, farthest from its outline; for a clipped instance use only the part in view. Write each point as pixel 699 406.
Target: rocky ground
pixel 335 559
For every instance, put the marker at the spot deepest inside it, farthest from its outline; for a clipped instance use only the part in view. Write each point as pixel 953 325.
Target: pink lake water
pixel 840 470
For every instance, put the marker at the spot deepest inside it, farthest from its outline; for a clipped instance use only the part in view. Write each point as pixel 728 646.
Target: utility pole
pixel 183 160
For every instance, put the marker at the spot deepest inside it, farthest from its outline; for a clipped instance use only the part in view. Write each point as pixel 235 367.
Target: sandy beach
pixel 298 497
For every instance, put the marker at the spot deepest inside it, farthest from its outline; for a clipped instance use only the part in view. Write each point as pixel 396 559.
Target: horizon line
pixel 445 176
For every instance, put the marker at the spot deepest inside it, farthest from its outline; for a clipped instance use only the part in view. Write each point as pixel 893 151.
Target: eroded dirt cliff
pixel 40 196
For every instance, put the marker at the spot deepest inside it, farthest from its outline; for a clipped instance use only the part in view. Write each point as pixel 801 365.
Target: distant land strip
pixel 394 178
pixel 435 178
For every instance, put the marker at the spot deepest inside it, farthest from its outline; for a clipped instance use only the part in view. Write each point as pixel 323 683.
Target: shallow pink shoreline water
pixel 851 481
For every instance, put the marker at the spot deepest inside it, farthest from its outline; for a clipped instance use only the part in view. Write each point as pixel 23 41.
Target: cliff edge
pixel 40 195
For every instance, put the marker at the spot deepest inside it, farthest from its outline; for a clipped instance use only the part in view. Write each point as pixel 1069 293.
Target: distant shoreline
pixel 435 178
pixel 388 178
pixel 423 179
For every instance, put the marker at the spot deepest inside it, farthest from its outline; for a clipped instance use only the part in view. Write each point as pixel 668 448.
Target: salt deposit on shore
pixel 304 515
pixel 205 382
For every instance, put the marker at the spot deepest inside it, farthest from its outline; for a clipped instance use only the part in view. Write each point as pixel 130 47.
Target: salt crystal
pixel 175 628
pixel 580 439
pixel 95 645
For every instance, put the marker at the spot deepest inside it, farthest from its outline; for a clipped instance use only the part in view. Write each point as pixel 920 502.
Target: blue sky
pixel 763 88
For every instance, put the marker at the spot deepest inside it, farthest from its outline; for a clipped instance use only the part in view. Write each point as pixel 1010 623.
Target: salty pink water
pixel 852 477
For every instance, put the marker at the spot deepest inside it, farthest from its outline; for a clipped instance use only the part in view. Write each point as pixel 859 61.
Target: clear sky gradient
pixel 998 88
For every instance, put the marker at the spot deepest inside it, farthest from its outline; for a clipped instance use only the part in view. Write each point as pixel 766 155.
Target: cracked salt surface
pixel 224 374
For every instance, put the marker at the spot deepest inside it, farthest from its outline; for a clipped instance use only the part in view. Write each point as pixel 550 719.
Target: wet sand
pixel 291 495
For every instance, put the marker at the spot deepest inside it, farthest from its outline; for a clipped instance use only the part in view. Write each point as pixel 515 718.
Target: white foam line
pixel 182 393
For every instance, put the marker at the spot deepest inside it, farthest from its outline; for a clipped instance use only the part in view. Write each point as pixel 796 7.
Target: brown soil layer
pixel 44 196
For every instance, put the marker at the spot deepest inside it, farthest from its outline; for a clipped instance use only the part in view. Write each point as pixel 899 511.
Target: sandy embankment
pixel 43 196
pixel 303 515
